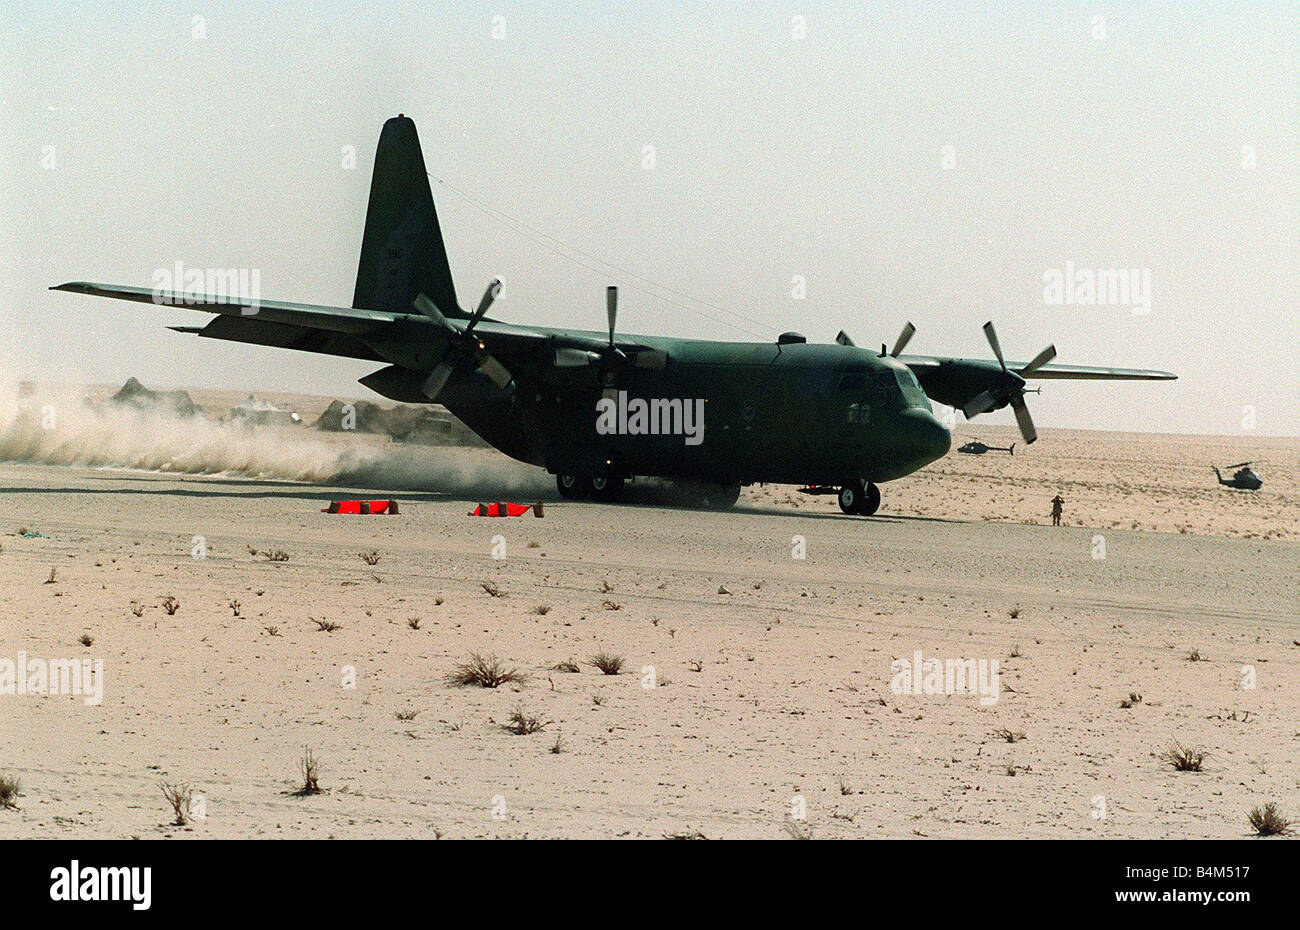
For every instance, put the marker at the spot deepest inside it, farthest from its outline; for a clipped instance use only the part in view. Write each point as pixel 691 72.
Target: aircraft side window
pixel 853 413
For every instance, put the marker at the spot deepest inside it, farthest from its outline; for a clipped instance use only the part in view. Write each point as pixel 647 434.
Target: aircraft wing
pixel 1091 373
pixel 304 327
pixel 928 363
pixel 341 331
pixel 333 319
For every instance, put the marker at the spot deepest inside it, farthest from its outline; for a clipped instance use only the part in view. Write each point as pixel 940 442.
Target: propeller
pixel 463 343
pixel 903 339
pixel 612 353
pixel 1011 386
pixel 610 356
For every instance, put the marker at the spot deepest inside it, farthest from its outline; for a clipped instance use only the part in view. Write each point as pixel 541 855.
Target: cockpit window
pixel 911 389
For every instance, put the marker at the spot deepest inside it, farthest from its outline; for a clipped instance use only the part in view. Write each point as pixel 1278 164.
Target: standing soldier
pixel 1057 502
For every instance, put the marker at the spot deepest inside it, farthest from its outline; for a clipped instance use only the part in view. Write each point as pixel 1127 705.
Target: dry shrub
pixel 484 671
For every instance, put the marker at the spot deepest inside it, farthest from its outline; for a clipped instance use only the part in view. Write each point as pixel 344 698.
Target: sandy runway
pixel 771 673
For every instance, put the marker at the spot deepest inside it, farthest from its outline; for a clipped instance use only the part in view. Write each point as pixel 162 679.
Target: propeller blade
pixel 991 334
pixel 436 381
pixel 574 358
pixel 1039 360
pixel 430 309
pixel 1023 419
pixel 903 339
pixel 499 373
pixel 653 359
pixel 489 295
pixel 979 404
pixel 611 310
pixel 843 339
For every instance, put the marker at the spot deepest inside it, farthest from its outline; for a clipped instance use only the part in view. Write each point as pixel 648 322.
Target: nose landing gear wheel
pixel 871 503
pixel 572 487
pixel 856 498
pixel 851 496
pixel 606 490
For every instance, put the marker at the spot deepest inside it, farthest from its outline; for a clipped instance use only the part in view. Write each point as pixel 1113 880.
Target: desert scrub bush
pixel 413 622
pixel 10 788
pixel 1010 736
pixel 370 558
pixel 274 555
pixel 484 671
pixel 568 666
pixel 179 797
pixel 1268 821
pixel 542 610
pixel 522 723
pixel 607 663
pixel 1184 759
pixel 170 605
pixel 406 715
pixel 309 768
pixel 325 626
pixel 797 830
pixel 492 589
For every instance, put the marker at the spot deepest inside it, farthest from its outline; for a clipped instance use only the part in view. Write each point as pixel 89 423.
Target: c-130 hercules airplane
pixel 596 409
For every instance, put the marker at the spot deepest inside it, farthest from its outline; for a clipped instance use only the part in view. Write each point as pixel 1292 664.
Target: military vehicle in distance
pixel 1245 478
pixel 975 447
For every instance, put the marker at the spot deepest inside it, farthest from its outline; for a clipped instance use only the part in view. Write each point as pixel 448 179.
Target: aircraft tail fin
pixel 402 250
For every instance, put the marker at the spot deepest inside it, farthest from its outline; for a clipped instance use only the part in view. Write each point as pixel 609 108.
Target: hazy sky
pixel 789 139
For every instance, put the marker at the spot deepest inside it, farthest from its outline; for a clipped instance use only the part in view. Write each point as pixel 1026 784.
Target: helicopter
pixel 1244 479
pixel 975 447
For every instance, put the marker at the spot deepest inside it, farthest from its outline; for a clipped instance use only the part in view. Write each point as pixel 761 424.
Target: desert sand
pixel 771 712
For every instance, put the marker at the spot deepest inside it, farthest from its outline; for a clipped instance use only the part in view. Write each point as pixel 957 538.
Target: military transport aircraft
pixel 598 408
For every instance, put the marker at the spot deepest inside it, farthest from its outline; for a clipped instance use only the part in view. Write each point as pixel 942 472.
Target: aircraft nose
pixel 926 435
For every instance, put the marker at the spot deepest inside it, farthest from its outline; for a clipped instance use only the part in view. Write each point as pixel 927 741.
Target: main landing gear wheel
pixel 719 496
pixel 606 489
pixel 572 487
pixel 856 498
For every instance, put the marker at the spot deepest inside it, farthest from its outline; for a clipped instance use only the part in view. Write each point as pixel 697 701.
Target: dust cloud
pixel 53 425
